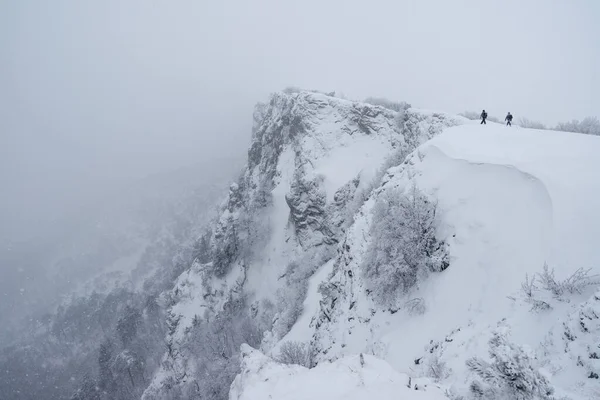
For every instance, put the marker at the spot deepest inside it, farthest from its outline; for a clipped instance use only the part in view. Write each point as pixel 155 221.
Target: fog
pixel 94 95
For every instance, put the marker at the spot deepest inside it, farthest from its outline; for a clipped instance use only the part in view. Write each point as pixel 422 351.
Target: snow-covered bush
pixel 589 126
pixel 510 374
pixel 293 352
pixel 403 247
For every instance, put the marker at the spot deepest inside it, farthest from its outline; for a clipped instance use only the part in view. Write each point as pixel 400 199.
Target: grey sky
pixel 94 91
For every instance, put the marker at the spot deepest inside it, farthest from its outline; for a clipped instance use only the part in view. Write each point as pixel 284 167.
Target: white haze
pixel 94 95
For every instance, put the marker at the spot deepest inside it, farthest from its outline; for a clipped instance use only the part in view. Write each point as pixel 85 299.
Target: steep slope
pixel 100 245
pixel 111 263
pixel 311 163
pixel 509 200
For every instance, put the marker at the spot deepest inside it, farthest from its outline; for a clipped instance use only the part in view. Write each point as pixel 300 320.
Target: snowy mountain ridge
pixel 407 235
pixel 311 159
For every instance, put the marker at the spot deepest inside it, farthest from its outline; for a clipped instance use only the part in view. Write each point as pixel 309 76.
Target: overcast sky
pixel 95 91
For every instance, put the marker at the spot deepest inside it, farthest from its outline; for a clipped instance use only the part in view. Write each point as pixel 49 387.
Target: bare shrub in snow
pixel 529 289
pixel 298 353
pixel 403 246
pixel 575 283
pixel 509 375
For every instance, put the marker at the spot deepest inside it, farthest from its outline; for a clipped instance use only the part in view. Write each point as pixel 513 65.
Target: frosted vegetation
pixel 296 353
pixel 403 248
pixel 512 373
pixel 540 288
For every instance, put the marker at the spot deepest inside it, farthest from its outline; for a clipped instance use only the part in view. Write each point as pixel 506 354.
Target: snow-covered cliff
pixel 412 236
pixel 313 160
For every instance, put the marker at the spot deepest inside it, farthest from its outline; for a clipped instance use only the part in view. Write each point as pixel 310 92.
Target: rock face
pixel 337 208
pixel 312 161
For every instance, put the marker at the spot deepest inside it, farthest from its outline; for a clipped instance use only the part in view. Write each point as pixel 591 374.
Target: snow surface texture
pixel 509 200
pixel 310 154
pixel 358 377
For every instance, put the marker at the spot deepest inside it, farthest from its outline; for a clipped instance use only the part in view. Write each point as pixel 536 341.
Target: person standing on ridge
pixel 508 119
pixel 483 117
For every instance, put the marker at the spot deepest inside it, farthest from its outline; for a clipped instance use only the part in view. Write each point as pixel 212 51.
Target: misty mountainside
pixel 462 256
pixel 97 246
pixel 99 266
pixel 366 248
pixel 312 162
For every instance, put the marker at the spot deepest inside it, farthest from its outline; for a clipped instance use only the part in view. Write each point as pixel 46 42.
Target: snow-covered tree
pixel 589 126
pixel 510 373
pixel 403 245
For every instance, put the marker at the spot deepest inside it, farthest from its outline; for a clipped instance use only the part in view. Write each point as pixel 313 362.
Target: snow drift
pixel 510 200
pixel 357 377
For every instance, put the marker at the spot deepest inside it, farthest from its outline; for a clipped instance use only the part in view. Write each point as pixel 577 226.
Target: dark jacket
pixel 484 115
pixel 508 117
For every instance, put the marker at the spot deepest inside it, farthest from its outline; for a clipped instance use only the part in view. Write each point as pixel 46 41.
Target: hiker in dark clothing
pixel 483 117
pixel 508 119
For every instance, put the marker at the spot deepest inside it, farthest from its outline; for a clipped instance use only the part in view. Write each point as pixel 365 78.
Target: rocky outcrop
pixel 310 154
pixel 307 201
